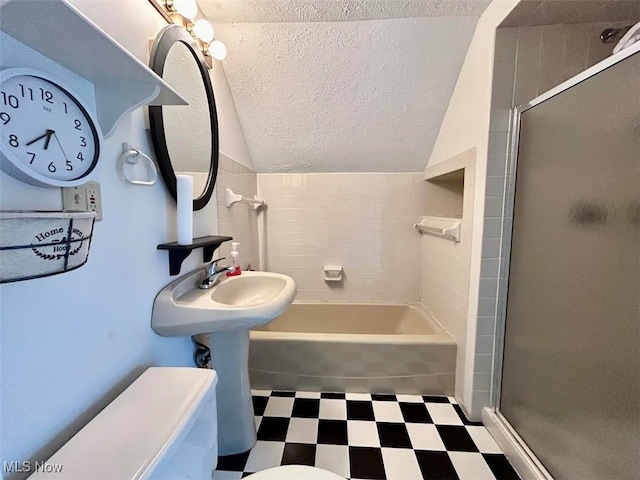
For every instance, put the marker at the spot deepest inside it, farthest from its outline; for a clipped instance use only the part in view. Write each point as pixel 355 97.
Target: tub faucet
pixel 214 274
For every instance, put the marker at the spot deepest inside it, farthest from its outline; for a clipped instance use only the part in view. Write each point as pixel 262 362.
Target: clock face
pixel 46 136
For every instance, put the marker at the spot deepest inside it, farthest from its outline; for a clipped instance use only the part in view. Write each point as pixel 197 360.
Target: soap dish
pixel 333 273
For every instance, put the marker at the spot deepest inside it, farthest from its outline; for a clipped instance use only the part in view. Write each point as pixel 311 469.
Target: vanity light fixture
pixel 187 14
pixel 218 50
pixel 186 8
pixel 203 30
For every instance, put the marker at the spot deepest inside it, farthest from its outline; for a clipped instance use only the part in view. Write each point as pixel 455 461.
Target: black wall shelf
pixel 178 253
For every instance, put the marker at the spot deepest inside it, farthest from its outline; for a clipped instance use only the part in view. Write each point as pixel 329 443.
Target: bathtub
pixel 353 348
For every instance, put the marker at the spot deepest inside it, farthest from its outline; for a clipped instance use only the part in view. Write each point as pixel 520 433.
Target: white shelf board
pixel 59 31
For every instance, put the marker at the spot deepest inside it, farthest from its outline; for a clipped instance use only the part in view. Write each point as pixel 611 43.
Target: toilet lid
pixel 294 472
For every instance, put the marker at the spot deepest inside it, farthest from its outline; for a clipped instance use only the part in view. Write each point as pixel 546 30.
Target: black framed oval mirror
pixel 185 137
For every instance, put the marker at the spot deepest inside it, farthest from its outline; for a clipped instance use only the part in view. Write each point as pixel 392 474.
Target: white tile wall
pixel 445 269
pixel 362 221
pixel 240 221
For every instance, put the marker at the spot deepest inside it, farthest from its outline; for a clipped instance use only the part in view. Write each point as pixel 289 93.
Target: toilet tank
pixel 163 426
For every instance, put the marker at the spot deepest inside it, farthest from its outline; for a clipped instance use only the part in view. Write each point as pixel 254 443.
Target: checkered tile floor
pixel 368 436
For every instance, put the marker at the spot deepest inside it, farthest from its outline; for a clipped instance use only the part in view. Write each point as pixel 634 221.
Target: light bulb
pixel 186 8
pixel 218 50
pixel 203 30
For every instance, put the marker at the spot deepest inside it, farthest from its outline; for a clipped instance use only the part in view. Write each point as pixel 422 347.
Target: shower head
pixel 608 35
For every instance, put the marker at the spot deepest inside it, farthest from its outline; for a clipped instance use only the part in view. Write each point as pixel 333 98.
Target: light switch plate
pixel 83 198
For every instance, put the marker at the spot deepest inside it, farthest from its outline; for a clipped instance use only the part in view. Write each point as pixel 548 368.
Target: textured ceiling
pixel 342 86
pixel 276 11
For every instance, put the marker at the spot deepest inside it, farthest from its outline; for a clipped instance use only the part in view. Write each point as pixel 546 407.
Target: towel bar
pixel 434 226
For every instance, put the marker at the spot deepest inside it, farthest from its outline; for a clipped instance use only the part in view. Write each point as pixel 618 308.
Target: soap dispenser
pixel 235 264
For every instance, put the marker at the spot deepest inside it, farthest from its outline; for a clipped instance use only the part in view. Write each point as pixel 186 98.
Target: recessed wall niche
pixel 445 185
pixel 445 195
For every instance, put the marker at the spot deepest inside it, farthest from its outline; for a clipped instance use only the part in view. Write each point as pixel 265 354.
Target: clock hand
pixel 59 144
pixel 36 139
pixel 47 134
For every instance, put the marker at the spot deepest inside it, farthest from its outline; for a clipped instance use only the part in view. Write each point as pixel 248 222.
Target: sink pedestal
pixel 230 359
pixel 225 313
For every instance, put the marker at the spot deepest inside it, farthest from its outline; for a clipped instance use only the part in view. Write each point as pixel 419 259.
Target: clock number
pixel 5 117
pixel 33 157
pixel 66 110
pixel 78 123
pixel 22 91
pixel 83 142
pixel 69 166
pixel 47 96
pixel 80 157
pixel 10 100
pixel 13 141
pixel 52 168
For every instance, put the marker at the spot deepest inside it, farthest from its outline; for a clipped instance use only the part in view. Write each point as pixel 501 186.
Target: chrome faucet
pixel 214 274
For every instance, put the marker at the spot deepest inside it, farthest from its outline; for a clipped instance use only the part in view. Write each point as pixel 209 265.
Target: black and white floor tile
pixel 368 437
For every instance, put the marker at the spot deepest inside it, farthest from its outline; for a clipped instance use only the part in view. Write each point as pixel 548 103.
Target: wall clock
pixel 47 137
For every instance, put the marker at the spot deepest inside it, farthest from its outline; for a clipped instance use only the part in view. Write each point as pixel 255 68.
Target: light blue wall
pixel 70 343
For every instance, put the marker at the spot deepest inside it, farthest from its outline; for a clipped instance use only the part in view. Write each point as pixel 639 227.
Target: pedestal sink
pixel 226 312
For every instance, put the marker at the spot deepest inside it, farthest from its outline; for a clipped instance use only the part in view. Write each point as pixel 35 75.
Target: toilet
pixel 163 426
pixel 294 472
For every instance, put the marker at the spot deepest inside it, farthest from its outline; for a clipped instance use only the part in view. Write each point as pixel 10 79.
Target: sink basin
pixel 249 290
pixel 245 301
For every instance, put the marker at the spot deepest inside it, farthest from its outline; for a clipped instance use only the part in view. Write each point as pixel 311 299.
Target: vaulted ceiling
pixel 342 85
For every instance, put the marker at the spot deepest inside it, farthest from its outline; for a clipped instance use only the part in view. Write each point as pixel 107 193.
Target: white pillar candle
pixel 184 217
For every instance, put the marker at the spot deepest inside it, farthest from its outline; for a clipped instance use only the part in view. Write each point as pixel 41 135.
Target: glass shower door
pixel 571 367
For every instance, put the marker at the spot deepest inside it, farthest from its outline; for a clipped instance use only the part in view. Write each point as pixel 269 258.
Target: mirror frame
pixel 167 37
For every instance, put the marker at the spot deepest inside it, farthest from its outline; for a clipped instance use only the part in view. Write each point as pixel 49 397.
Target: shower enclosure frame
pixel 528 460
